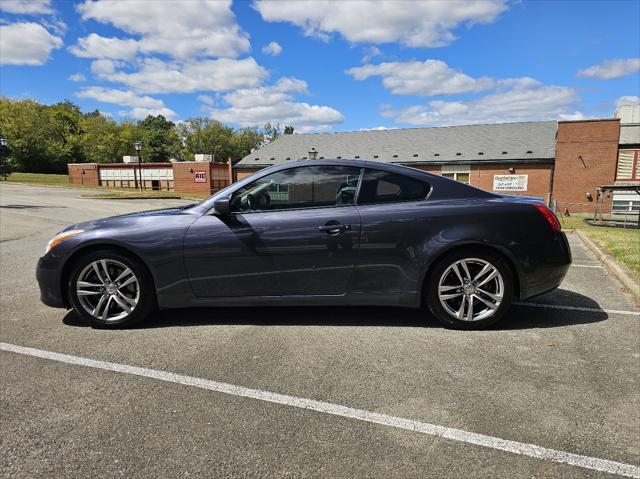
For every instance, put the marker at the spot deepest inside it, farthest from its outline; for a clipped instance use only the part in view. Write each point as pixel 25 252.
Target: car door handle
pixel 334 228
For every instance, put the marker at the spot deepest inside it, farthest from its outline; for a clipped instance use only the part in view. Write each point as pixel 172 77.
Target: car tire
pixel 470 288
pixel 110 289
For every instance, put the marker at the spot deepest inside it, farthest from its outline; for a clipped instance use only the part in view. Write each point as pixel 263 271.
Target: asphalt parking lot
pixel 359 392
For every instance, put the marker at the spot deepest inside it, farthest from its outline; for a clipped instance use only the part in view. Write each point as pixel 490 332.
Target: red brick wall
pixel 83 174
pixel 436 170
pixel 184 174
pixel 586 154
pixel 244 172
pixel 481 176
pixel 537 182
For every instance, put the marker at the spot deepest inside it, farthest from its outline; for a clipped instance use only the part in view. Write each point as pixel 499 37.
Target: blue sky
pixel 326 66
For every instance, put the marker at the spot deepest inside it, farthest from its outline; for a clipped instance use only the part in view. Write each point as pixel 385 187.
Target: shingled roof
pixel 535 141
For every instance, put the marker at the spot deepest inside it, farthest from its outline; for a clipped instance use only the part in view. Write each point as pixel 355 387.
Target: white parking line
pixel 515 447
pixel 586 266
pixel 578 308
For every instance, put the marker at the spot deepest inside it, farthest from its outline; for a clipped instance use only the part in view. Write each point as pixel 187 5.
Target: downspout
pixel 553 170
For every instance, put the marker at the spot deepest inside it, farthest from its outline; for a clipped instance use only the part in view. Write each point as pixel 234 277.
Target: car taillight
pixel 549 216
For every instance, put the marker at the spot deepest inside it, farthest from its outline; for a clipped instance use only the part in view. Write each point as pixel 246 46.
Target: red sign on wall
pixel 200 177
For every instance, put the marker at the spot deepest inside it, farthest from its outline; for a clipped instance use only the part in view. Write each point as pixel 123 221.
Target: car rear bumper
pixel 548 273
pixel 48 274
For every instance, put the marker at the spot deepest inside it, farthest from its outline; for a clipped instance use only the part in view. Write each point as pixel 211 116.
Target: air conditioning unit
pixel 201 158
pixel 129 159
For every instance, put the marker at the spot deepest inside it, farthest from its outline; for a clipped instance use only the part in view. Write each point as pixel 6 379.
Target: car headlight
pixel 60 237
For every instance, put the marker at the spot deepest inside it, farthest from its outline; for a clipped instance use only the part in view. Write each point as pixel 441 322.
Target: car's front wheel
pixel 110 289
pixel 470 289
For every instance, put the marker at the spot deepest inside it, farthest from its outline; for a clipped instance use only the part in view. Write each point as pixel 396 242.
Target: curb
pixel 621 272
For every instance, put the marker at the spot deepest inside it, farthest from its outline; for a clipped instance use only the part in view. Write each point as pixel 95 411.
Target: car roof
pixel 376 165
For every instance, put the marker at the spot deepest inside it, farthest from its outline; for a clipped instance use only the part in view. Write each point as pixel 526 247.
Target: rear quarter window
pixel 384 187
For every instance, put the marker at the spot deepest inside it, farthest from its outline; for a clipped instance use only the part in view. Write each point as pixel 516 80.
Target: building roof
pixel 454 144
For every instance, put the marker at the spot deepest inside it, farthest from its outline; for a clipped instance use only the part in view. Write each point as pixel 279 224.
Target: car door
pixel 395 227
pixel 292 232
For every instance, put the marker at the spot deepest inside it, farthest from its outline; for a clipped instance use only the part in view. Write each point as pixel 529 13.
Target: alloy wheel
pixel 108 290
pixel 471 289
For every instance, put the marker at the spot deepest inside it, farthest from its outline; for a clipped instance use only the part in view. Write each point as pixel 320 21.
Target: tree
pixel 27 126
pixel 245 141
pixel 207 136
pixel 271 132
pixel 102 140
pixel 64 135
pixel 159 139
pixel 45 138
pixel 288 129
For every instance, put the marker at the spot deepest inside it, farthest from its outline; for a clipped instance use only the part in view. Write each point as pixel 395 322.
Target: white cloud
pixel 158 76
pixel 26 7
pixel 264 96
pixel 370 52
pixel 272 48
pixel 206 99
pixel 141 106
pixel 576 115
pixel 96 46
pixel 627 100
pixel 55 25
pixel 609 69
pixel 275 104
pixel 184 29
pixel 26 44
pixel 379 128
pixel 431 77
pixel 78 77
pixel 522 99
pixel 412 23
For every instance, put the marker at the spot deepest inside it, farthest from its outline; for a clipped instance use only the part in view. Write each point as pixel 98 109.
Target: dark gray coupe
pixel 339 232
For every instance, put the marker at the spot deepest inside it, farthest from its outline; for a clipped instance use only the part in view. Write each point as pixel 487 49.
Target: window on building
pixel 461 173
pixel 302 187
pixel 628 165
pixel 384 187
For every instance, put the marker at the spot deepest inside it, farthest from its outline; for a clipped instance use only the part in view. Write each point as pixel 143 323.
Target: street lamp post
pixel 313 154
pixel 138 147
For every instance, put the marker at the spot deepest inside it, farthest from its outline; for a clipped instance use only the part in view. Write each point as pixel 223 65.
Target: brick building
pixel 203 177
pixel 586 156
pixel 562 162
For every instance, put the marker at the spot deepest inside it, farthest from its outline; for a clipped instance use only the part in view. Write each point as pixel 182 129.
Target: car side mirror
pixel 222 206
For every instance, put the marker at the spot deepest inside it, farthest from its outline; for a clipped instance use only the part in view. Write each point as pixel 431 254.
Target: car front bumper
pixel 49 274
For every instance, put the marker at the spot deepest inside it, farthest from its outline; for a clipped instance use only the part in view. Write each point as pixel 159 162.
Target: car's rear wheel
pixel 111 289
pixel 470 289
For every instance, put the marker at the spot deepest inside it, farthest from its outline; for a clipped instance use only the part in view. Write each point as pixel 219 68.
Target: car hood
pixel 123 221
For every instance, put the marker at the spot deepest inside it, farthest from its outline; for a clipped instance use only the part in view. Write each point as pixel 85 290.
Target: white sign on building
pixel 510 182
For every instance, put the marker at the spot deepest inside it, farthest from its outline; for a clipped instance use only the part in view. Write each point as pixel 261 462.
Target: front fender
pixel 156 242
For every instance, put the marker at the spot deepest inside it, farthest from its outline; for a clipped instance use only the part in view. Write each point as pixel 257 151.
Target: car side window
pixel 383 187
pixel 302 187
